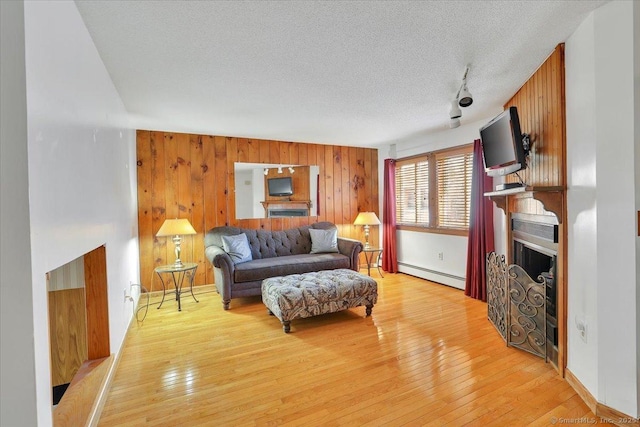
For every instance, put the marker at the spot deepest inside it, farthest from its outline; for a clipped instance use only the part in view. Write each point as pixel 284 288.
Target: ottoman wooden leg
pixel 369 308
pixel 270 312
pixel 286 326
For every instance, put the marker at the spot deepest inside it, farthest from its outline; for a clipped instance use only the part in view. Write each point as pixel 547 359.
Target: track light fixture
pixel 266 171
pixel 463 99
pixel 291 169
pixel 454 112
pixel 279 169
pixel 463 96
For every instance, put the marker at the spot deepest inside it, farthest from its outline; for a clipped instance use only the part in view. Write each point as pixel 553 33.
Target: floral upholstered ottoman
pixel 304 295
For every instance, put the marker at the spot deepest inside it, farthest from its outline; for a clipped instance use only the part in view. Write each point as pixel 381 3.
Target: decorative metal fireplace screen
pixel 516 305
pixel 497 292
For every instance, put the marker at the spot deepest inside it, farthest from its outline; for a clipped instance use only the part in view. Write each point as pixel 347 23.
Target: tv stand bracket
pixel 526 143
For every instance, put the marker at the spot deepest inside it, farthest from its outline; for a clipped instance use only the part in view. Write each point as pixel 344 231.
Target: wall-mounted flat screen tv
pixel 280 186
pixel 502 145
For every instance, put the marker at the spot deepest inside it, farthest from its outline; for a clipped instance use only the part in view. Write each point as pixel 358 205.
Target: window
pixel 433 191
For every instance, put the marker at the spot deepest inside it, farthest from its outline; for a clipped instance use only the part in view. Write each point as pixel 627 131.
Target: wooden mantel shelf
pixel 551 197
pixel 287 204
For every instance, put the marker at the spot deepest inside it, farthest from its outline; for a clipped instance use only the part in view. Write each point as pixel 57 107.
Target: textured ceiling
pixel 345 73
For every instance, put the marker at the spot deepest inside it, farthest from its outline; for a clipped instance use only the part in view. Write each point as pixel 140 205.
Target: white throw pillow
pixel 237 247
pixel 323 240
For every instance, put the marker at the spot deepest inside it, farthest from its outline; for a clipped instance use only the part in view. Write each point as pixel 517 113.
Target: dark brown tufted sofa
pixel 275 253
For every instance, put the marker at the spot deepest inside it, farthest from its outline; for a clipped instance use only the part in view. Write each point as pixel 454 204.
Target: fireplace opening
pixel 535 249
pixel 277 213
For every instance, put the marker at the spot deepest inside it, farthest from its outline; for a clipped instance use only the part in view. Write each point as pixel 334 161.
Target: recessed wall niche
pixel 78 321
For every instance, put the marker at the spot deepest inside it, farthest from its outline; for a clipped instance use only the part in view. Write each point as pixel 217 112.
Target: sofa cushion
pixel 260 269
pixel 237 247
pixel 324 241
pixel 270 244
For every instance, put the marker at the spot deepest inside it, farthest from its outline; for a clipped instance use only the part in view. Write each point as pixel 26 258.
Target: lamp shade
pixel 175 227
pixel 366 218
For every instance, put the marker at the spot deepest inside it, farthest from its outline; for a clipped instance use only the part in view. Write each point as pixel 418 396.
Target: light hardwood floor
pixel 427 356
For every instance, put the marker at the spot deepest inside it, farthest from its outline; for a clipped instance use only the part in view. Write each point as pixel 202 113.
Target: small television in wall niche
pixel 280 186
pixel 504 147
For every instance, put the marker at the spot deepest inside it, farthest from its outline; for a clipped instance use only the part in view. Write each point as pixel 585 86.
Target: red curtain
pixel 480 228
pixel 389 251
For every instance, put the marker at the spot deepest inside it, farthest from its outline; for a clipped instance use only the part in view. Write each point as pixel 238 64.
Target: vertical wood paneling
pixel 196 187
pixel 221 188
pixel 329 195
pixel 375 199
pixel 145 156
pixel 68 334
pixel 158 203
pixel 183 171
pixel 540 104
pixel 337 186
pixel 208 195
pixel 541 108
pixel 345 185
pixel 97 303
pixel 192 176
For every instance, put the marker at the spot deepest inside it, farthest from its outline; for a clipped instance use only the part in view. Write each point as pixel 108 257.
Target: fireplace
pixel 535 249
pixel 277 213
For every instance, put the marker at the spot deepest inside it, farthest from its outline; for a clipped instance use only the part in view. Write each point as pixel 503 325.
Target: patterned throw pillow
pixel 237 247
pixel 323 240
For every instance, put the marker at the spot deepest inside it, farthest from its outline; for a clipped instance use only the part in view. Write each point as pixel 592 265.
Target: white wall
pixel 17 354
pixel 417 251
pixel 582 219
pixel 244 194
pixel 82 171
pixel 602 186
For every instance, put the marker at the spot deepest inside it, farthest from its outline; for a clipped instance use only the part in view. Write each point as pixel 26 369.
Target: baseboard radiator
pixel 432 275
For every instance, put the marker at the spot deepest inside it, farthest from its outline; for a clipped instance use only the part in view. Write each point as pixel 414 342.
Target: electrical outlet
pixel 441 256
pixel 127 296
pixel 581 326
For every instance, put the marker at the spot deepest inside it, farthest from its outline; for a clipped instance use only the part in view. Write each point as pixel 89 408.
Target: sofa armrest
pixel 352 249
pixel 223 269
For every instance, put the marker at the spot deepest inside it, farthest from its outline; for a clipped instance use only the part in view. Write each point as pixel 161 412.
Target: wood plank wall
pixel 541 109
pixel 540 102
pixel 68 333
pixel 192 176
pixel 97 303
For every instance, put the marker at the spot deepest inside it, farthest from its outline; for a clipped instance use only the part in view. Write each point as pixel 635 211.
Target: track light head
pixel 454 112
pixel 465 99
pixel 291 169
pixel 266 171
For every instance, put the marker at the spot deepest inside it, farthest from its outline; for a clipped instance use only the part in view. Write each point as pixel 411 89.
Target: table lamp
pixel 176 228
pixel 366 219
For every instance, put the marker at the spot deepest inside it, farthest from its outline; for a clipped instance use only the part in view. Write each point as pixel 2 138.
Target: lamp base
pixel 366 237
pixel 177 263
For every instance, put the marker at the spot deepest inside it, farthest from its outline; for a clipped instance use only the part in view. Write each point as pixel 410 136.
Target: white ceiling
pixel 347 73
